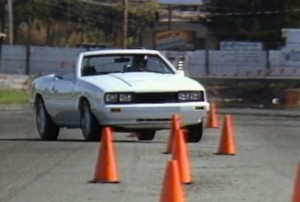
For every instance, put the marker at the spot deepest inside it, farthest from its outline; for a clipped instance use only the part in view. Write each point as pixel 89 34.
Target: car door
pixel 47 91
pixel 64 100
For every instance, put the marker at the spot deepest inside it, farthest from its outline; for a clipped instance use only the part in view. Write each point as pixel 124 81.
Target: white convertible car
pixel 129 90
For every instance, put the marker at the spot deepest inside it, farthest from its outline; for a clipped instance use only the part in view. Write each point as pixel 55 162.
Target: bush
pixel 12 96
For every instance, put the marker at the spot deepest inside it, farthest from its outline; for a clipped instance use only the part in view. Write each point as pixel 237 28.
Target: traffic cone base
pixel 106 168
pixel 172 190
pixel 212 119
pixel 227 145
pixel 296 197
pixel 104 182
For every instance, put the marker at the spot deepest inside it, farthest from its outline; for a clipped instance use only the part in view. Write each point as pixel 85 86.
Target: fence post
pixel 207 72
pixel 27 62
pixel 1 42
pixel 28 44
pixel 268 67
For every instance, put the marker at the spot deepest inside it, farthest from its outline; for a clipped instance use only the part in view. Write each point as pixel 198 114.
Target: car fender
pixel 93 94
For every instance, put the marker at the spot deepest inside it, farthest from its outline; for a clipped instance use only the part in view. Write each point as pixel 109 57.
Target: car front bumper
pixel 154 116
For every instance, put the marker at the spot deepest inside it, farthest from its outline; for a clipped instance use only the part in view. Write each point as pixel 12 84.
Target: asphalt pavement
pixel 263 170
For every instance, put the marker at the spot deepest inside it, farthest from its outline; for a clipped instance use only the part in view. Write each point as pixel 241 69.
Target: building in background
pixel 179 27
pixel 291 49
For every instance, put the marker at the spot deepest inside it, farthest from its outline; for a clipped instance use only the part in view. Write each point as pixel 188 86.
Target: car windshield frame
pixel 100 64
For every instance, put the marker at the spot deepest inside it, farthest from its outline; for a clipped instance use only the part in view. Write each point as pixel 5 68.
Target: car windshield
pixel 113 63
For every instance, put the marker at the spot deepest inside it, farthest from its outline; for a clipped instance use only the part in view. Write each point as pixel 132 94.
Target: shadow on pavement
pixel 75 140
pixel 140 142
pixel 39 140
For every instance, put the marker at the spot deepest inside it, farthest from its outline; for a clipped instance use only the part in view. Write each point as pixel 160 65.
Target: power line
pixel 125 23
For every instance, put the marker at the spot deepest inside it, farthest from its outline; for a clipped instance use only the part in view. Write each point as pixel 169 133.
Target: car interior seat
pixel 88 71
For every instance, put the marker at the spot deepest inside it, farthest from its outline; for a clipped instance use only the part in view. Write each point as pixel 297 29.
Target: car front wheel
pixel 90 127
pixel 194 132
pixel 145 135
pixel 44 124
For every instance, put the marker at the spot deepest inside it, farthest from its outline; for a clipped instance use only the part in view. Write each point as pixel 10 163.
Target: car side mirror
pixel 58 76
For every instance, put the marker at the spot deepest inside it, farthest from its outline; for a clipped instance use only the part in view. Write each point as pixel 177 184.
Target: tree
pixel 141 18
pixel 251 20
pixel 72 22
pixel 2 14
pixel 292 17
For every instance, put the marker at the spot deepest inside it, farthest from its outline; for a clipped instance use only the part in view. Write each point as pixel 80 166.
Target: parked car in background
pixel 129 90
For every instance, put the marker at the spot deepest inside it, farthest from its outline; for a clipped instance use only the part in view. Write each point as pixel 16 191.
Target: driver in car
pixel 139 63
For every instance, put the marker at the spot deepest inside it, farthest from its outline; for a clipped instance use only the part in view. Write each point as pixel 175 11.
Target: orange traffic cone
pixel 180 153
pixel 175 125
pixel 227 145
pixel 296 197
pixel 172 190
pixel 212 119
pixel 106 168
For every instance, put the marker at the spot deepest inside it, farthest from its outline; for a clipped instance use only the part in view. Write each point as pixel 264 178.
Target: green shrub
pixel 12 96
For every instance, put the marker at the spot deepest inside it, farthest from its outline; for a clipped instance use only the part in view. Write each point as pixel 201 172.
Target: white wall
pixel 221 63
pixel 43 60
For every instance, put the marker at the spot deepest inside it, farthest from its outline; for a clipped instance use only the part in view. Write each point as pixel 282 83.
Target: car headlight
pixel 125 97
pixel 183 96
pixel 118 98
pixel 190 96
pixel 111 97
pixel 195 95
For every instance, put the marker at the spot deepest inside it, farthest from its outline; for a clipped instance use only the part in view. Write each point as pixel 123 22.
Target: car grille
pixel 165 97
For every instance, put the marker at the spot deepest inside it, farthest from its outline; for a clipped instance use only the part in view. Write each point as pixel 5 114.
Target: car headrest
pixel 88 70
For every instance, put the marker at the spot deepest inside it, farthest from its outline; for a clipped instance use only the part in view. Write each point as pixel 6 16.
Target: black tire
pixel 90 128
pixel 145 135
pixel 44 124
pixel 194 132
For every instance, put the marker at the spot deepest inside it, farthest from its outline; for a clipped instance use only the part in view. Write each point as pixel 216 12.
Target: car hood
pixel 143 82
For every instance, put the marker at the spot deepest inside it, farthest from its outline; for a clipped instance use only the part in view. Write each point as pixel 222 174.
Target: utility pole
pixel 2 35
pixel 169 17
pixel 125 23
pixel 11 21
pixel 28 44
